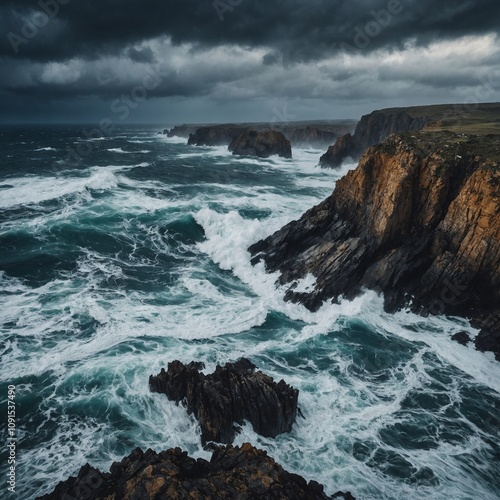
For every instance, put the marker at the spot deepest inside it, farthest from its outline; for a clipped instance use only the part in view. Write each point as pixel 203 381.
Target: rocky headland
pixel 418 219
pixel 231 394
pixel 377 126
pixel 372 129
pixel 244 473
pixel 219 400
pixel 317 134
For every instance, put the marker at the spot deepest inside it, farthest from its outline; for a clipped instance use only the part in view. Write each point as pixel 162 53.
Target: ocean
pixel 136 255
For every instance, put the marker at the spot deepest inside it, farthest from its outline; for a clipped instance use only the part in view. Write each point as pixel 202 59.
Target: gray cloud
pixel 358 52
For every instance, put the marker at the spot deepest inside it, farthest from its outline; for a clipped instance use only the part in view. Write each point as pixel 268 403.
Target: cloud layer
pixel 356 53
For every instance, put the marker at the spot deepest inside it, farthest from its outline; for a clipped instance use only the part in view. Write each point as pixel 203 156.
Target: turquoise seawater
pixel 136 256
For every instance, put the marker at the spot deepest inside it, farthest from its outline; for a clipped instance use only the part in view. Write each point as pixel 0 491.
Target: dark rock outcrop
pixel 231 394
pixel 181 131
pixel 418 219
pixel 372 129
pixel 461 337
pixel 216 135
pixel 342 150
pixel 308 136
pixel 300 133
pixel 262 144
pixel 233 472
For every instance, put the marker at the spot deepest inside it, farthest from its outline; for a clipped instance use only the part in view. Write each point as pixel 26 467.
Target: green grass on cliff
pixel 472 119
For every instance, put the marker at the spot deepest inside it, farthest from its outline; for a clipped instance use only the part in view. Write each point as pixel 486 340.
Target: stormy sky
pixel 171 61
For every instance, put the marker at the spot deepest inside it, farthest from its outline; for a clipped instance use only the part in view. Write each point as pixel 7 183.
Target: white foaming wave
pixel 436 332
pixel 228 237
pixel 338 415
pixel 172 140
pixel 46 149
pixel 32 190
pixel 119 150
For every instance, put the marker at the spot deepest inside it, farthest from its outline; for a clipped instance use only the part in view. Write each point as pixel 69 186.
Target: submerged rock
pixel 263 144
pixel 418 219
pixel 233 472
pixel 461 337
pixel 231 394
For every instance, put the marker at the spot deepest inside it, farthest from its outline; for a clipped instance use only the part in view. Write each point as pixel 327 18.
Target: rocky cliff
pixel 242 472
pixel 300 134
pixel 372 129
pixel 231 394
pixel 217 135
pixel 418 219
pixel 262 144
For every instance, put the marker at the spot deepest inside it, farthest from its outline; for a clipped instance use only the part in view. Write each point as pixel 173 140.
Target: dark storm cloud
pixel 298 29
pixel 226 54
pixel 144 55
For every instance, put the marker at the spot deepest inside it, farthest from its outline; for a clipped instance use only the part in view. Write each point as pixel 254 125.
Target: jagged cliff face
pixel 372 129
pixel 415 221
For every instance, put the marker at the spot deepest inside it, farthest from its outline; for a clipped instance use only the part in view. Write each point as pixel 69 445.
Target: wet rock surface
pixel 233 472
pixel 230 395
pixel 262 144
pixel 418 219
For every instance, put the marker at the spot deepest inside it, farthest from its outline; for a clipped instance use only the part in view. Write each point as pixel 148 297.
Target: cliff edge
pixel 418 219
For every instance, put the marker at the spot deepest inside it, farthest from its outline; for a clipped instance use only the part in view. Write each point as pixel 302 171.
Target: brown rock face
pixel 262 144
pixel 418 219
pixel 231 394
pixel 245 473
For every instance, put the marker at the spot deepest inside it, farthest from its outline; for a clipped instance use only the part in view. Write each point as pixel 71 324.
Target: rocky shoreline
pixel 242 472
pixel 418 220
pixel 317 134
pixel 233 393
